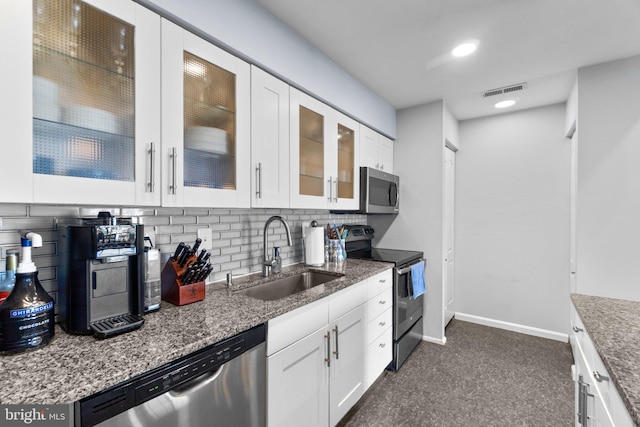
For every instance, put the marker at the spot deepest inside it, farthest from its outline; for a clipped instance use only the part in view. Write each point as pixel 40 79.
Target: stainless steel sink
pixel 280 288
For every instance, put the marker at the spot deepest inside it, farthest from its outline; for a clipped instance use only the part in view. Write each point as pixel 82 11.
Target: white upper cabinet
pixel 324 156
pixel 269 141
pixel 205 123
pixel 376 151
pixel 81 106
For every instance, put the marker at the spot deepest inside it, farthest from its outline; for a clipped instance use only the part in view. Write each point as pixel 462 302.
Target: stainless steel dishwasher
pixel 221 385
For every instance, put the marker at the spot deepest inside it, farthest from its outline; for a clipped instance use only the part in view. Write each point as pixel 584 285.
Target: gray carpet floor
pixel 482 377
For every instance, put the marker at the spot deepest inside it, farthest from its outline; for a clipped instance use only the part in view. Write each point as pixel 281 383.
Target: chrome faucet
pixel 267 262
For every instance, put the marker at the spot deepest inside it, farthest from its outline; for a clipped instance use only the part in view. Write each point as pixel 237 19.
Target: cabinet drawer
pixel 297 324
pixel 347 299
pixel 379 303
pixel 379 283
pixel 577 332
pixel 379 355
pixel 377 326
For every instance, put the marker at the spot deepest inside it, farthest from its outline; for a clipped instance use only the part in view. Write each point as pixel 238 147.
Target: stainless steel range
pixel 407 309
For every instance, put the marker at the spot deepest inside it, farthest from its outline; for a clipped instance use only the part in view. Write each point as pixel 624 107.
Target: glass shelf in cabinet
pixel 57 55
pixel 67 150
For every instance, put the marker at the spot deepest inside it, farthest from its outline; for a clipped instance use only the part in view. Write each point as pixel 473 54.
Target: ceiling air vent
pixel 503 90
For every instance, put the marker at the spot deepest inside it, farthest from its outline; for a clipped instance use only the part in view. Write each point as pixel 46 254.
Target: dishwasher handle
pixel 197 383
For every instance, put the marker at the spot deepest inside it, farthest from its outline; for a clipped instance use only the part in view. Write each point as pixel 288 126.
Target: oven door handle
pixel 406 270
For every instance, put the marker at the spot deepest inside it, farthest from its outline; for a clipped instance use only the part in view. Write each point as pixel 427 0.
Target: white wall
pixel 512 219
pixel 418 157
pixel 608 209
pixel 246 27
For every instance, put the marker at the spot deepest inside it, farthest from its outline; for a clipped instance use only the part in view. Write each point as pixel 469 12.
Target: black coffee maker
pixel 100 275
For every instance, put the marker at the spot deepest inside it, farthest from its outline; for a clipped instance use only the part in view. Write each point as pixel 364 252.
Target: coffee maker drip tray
pixel 116 325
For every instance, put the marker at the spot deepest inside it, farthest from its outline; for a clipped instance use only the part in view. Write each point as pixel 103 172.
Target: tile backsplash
pixel 237 233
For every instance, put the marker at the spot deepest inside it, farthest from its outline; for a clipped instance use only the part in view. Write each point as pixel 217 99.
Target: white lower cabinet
pixel 597 401
pixel 379 316
pixel 346 377
pixel 298 383
pixel 322 357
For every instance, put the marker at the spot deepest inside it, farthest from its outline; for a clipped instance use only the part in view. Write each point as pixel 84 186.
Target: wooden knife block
pixel 174 291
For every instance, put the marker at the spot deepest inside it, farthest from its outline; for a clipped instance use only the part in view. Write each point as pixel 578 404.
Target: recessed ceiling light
pixel 505 104
pixel 464 49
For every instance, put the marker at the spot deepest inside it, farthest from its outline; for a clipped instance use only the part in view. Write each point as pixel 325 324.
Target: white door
pixel 449 254
pixel 298 383
pixel 572 221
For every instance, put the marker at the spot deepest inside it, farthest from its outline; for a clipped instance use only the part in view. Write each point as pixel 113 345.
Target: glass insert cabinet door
pixel 347 176
pixel 205 122
pixel 94 137
pixel 324 154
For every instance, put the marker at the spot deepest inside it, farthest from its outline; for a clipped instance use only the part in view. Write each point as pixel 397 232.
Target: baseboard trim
pixel 441 341
pixel 514 327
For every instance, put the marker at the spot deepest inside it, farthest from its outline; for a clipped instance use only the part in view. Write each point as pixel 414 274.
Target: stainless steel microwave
pixel 378 192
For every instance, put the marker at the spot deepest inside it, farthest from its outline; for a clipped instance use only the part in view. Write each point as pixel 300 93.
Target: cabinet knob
pixel 382 345
pixel 383 323
pixel 576 329
pixel 599 377
pixel 382 302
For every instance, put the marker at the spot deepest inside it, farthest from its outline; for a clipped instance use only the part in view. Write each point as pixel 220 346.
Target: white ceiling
pixel 400 49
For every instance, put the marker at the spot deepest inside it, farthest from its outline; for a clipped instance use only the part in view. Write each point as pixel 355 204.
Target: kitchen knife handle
pixel 259 181
pixel 196 245
pixel 152 175
pixel 174 166
pixel 178 252
pixel 335 330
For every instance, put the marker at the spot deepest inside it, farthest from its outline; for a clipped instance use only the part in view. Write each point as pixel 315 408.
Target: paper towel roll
pixel 314 246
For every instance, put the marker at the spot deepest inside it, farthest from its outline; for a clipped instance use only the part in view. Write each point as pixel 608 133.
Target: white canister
pixel 314 246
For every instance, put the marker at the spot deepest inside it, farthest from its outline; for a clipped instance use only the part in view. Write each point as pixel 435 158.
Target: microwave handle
pixel 393 194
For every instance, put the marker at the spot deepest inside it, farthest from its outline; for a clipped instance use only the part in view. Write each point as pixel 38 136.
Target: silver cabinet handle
pixel 382 280
pixel 383 302
pixel 330 190
pixel 599 377
pixel 382 345
pixel 259 181
pixel 335 330
pixel 328 358
pixel 152 173
pixel 335 196
pixel 174 165
pixel 576 329
pixel 382 323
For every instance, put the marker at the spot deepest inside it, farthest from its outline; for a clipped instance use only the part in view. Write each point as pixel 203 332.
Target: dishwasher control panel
pixel 208 362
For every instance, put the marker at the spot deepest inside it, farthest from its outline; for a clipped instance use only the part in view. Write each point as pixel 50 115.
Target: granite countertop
pixel 614 328
pixel 72 367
